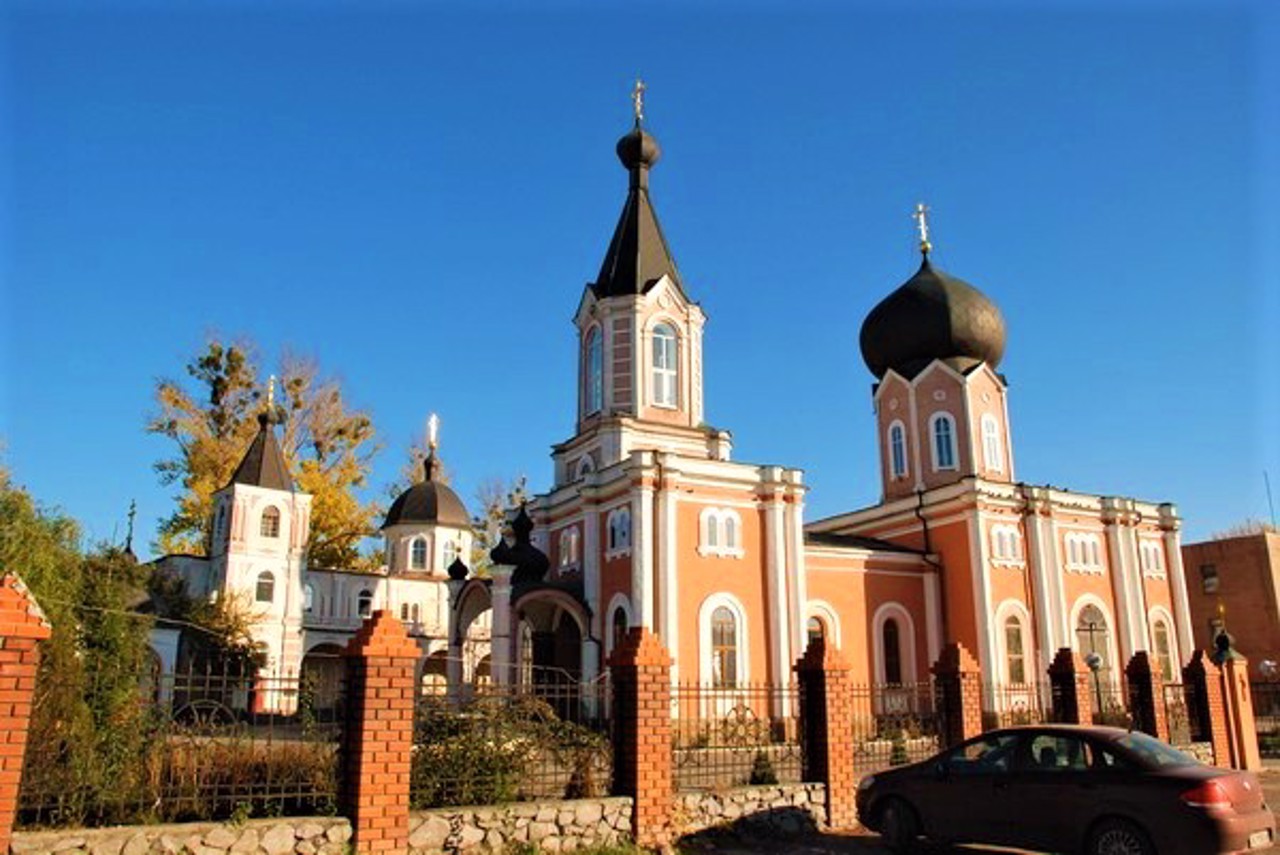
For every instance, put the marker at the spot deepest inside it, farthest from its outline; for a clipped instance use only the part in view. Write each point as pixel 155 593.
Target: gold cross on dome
pixel 271 391
pixel 637 99
pixel 433 431
pixel 922 223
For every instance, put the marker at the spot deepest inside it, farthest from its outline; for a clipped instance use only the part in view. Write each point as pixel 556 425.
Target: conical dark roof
pixel 428 501
pixel 263 464
pixel 638 255
pixel 932 316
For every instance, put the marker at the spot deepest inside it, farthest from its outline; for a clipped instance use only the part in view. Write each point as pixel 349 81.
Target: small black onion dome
pixel 638 148
pixel 428 501
pixel 530 562
pixel 457 570
pixel 932 316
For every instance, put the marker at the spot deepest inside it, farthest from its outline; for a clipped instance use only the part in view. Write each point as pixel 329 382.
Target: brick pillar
pixel 640 670
pixel 959 682
pixel 1203 683
pixel 1146 696
pixel 1069 682
pixel 826 729
pixel 1242 730
pixel 22 626
pixel 381 691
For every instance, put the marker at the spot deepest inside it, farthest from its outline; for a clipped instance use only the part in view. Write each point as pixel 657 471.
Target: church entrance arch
pixel 551 648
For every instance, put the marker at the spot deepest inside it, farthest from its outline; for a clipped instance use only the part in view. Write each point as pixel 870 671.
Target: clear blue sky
pixel 415 194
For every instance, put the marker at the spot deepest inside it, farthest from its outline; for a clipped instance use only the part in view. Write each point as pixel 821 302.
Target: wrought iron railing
pixel 894 724
pixel 726 736
pixel 1009 704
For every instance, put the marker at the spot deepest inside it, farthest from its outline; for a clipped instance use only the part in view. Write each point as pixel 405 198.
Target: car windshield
pixel 1154 752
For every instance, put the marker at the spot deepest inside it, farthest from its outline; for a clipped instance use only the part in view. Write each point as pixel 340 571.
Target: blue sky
pixel 414 194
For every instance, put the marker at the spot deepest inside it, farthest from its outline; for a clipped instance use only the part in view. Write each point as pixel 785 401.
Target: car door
pixel 957 802
pixel 1053 790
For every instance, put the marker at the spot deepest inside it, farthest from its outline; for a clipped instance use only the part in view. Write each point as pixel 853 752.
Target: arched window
pixel 892 651
pixel 730 531
pixel 898 450
pixel 1094 637
pixel 619 523
pixel 720 533
pixel 585 467
pixel 266 590
pixel 595 373
pixel 724 649
pixel 992 453
pixel 1163 650
pixel 712 531
pixel 569 547
pixel 451 552
pixel 414 613
pixel 619 625
pixel 1014 655
pixel 364 603
pixel 404 612
pixel 944 441
pixel 665 355
pixel 815 630
pixel 308 597
pixel 418 554
pixel 270 524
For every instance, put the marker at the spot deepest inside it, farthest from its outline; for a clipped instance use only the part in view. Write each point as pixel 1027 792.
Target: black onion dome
pixel 638 148
pixel 428 501
pixel 932 316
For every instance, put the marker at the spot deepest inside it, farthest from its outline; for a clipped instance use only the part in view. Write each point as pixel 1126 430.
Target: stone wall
pixel 775 809
pixel 554 826
pixel 303 836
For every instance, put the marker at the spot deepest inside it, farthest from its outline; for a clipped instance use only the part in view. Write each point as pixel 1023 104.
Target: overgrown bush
pixel 762 770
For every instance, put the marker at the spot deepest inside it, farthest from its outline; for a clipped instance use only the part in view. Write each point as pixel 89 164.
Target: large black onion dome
pixel 638 148
pixel 428 501
pixel 932 316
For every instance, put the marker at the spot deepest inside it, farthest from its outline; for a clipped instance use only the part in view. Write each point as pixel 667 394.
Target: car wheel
pixel 1119 837
pixel 899 826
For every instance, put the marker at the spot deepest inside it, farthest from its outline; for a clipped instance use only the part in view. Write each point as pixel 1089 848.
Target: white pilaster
pixel 776 573
pixel 642 558
pixel 669 594
pixel 797 575
pixel 1121 582
pixel 500 657
pixel 1172 524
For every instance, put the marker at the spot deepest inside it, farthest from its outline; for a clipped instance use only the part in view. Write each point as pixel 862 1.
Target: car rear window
pixel 1154 752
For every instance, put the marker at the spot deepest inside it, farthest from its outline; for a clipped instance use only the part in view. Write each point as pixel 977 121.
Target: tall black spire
pixel 263 464
pixel 638 255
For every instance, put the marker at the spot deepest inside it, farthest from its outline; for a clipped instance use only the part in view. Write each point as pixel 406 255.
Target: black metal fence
pixel 490 744
pixel 196 745
pixel 1266 713
pixel 1009 704
pixel 894 724
pixel 734 736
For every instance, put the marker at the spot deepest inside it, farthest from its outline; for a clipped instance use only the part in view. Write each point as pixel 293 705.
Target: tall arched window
pixel 898 450
pixel 1163 649
pixel 619 627
pixel 1093 636
pixel 270 524
pixel 619 524
pixel 1014 655
pixel 364 603
pixel 595 373
pixel 665 356
pixel 892 651
pixel 418 554
pixel 451 552
pixel 815 630
pixel 944 441
pixel 724 649
pixel 730 531
pixel 992 453
pixel 266 589
pixel 308 597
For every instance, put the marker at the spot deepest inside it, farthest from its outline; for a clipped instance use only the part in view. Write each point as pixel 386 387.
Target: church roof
pixel 638 255
pixel 854 541
pixel 263 464
pixel 428 501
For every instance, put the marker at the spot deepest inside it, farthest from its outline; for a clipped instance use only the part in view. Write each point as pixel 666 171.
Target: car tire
pixel 899 826
pixel 1119 837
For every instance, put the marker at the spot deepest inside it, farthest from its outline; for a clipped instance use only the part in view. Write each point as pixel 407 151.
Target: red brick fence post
pixel 640 670
pixel 381 691
pixel 959 682
pixel 1069 684
pixel 1207 712
pixel 22 626
pixel 1146 696
pixel 826 729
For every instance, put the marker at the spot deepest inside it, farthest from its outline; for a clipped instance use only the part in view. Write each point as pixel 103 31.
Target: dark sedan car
pixel 1058 788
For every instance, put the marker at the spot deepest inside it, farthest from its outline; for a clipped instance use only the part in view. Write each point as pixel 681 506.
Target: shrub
pixel 762 770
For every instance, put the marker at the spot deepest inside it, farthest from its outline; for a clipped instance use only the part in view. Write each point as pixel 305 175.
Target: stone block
pixel 339 833
pixel 539 831
pixel 140 843
pixel 308 830
pixel 278 840
pixel 111 844
pixel 220 837
pixel 247 842
pixel 430 833
pixel 588 814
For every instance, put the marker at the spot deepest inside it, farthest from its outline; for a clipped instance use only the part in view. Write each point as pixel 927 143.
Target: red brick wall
pixel 22 626
pixel 381 689
pixel 959 683
pixel 1146 696
pixel 826 722
pixel 1247 588
pixel 1069 676
pixel 1204 682
pixel 641 674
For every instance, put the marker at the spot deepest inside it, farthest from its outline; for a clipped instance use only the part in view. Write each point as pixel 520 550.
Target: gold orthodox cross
pixel 271 392
pixel 922 223
pixel 637 100
pixel 433 431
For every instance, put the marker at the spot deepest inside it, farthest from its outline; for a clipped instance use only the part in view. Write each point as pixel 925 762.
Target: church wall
pixel 953 544
pixel 929 386
pixel 986 397
pixel 701 576
pixel 892 405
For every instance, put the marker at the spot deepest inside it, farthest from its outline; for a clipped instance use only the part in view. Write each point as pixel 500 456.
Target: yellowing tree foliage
pixel 212 420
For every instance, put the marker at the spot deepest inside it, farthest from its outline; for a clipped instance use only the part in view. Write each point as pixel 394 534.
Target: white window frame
pixel 824 612
pixel 705 659
pixel 1006 545
pixel 593 352
pixel 452 552
pixel 569 552
pixel 664 378
pixel 1018 610
pixel 308 597
pixel 618 532
pixel 419 541
pixel 906 641
pixel 720 533
pixel 952 445
pixel 1151 553
pixel 899 465
pixel 1082 552
pixel 619 603
pixel 992 447
pixel 584 467
pixel 262 522
pixel 360 595
pixel 270 579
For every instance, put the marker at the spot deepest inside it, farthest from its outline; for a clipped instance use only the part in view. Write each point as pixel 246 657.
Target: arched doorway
pixel 1093 640
pixel 433 678
pixel 323 672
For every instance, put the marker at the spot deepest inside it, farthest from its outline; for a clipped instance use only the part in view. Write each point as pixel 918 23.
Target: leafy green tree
pixel 211 417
